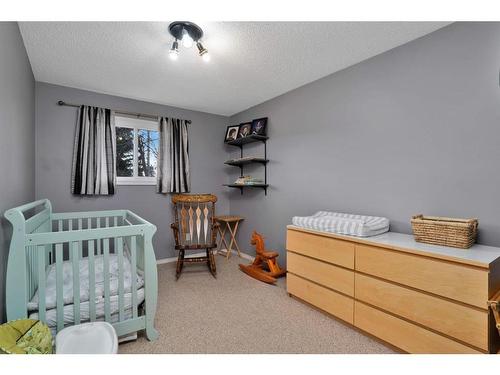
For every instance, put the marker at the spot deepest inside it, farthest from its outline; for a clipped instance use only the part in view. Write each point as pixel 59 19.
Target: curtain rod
pixel 134 114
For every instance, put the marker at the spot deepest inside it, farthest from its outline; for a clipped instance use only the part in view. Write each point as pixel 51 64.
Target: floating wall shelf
pixel 245 161
pixel 250 139
pixel 241 186
pixel 240 162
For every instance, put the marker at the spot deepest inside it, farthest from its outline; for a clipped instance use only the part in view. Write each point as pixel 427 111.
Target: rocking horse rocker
pixel 265 266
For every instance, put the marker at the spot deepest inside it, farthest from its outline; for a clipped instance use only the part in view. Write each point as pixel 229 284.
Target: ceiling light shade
pixel 188 33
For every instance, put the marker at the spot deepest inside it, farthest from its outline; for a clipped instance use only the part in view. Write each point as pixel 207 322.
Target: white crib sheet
pixel 69 317
pixel 51 296
pixel 350 224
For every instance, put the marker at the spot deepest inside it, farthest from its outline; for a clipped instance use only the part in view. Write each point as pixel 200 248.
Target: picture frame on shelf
pixel 259 126
pixel 231 133
pixel 245 129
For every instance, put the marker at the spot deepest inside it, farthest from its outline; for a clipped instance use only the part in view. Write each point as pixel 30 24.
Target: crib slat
pixel 76 281
pixel 70 228
pixel 47 250
pixel 107 315
pixel 133 260
pixel 31 271
pixel 59 287
pixel 98 225
pixel 91 260
pixel 121 292
pixel 80 227
pixel 115 221
pixel 41 282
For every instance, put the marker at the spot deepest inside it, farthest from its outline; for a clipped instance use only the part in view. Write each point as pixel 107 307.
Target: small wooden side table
pixel 225 223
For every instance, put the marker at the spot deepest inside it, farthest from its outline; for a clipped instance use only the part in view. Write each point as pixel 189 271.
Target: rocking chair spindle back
pixel 195 228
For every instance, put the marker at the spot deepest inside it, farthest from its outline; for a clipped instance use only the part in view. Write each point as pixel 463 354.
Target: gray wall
pixel 17 136
pixel 413 130
pixel 55 128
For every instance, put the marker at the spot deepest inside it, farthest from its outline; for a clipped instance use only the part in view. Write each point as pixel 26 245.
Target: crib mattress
pixel 83 264
pixel 69 311
pixel 341 223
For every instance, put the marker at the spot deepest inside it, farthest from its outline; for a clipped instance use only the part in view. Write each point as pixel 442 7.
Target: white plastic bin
pixel 87 338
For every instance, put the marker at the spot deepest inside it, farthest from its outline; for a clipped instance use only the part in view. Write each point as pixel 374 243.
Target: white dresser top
pixel 477 255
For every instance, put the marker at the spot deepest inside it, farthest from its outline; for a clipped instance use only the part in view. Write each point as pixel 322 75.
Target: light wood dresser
pixel 419 298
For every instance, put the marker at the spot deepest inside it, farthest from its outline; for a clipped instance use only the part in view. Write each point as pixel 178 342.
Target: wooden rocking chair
pixel 195 228
pixel 265 266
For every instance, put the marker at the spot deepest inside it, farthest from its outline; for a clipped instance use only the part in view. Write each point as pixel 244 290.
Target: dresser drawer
pixel 404 335
pixel 444 278
pixel 467 324
pixel 326 274
pixel 323 298
pixel 320 247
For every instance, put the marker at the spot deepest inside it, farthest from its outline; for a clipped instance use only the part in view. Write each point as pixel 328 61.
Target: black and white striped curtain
pixel 94 163
pixel 173 164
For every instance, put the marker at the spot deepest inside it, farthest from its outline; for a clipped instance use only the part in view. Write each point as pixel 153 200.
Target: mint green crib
pixel 68 240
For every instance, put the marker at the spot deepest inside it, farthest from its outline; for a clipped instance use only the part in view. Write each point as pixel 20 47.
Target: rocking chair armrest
pixel 494 304
pixel 495 300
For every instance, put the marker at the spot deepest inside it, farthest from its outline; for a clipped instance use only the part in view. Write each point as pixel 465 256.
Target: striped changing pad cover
pixel 335 222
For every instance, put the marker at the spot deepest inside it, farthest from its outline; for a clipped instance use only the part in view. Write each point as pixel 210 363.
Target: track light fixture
pixel 188 33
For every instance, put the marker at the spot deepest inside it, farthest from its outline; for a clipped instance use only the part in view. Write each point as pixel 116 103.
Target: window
pixel 137 148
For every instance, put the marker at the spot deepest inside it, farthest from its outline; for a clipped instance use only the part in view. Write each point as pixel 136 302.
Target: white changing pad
pixel 67 272
pixel 341 223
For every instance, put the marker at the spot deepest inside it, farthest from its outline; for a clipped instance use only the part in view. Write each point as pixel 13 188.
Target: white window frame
pixel 136 124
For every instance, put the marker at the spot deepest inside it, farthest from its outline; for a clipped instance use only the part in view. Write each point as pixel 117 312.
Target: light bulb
pixel 174 51
pixel 187 41
pixel 173 54
pixel 203 52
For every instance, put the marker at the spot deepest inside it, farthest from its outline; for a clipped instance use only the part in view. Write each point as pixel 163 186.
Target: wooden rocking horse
pixel 265 266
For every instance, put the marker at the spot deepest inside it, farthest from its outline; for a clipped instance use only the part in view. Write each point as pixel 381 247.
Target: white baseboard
pixel 243 255
pixel 174 259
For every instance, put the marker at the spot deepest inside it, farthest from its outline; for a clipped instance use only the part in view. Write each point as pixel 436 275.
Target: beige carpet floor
pixel 237 314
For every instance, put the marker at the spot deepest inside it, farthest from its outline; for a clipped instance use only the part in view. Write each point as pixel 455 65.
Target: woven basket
pixel 445 231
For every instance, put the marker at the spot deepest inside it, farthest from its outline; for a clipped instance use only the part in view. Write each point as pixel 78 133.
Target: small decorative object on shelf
pixel 445 231
pixel 248 132
pixel 259 126
pixel 231 133
pixel 248 180
pixel 245 130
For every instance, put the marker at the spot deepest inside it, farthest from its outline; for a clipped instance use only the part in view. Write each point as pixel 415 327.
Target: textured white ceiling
pixel 251 61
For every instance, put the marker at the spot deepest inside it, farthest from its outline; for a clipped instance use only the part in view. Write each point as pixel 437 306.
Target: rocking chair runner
pixel 195 228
